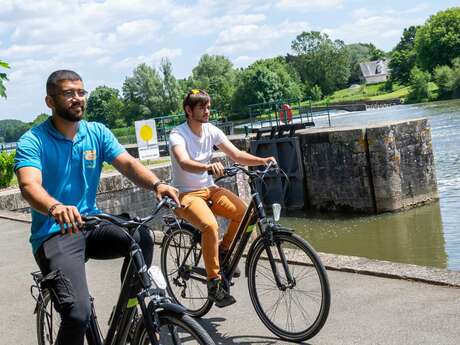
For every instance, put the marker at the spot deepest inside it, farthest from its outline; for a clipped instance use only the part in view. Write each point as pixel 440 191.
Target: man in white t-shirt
pixel 191 146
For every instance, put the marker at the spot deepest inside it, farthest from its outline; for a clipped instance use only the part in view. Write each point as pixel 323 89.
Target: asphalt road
pixel 365 309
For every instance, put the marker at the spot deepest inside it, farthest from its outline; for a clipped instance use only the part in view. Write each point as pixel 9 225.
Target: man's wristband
pixel 51 209
pixel 156 184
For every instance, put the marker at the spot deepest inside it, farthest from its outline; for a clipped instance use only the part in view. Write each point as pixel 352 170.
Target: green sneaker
pixel 218 294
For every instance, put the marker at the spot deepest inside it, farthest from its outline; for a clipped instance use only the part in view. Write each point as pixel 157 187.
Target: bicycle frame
pixel 254 215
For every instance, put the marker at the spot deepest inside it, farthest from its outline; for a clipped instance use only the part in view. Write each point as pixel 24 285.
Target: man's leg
pixel 226 204
pixel 109 241
pixel 62 262
pixel 196 211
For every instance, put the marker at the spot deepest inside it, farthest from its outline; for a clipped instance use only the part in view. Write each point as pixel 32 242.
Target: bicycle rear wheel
pixel 48 321
pixel 175 329
pixel 296 309
pixel 183 267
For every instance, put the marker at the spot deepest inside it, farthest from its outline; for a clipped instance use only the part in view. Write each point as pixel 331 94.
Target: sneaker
pixel 218 294
pixel 222 254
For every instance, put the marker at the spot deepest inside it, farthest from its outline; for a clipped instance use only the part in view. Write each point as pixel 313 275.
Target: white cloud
pixel 246 38
pixel 190 25
pixel 134 32
pixel 310 5
pixel 244 60
pixel 381 28
pixel 152 59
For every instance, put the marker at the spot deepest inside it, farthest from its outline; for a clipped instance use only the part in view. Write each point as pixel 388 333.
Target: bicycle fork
pixel 282 257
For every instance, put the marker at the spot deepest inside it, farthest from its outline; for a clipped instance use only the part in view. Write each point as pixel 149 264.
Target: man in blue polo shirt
pixel 58 165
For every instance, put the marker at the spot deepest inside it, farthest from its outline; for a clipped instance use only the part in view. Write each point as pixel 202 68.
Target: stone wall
pixel 386 167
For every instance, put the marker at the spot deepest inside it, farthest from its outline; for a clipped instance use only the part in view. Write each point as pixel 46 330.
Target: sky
pixel 104 40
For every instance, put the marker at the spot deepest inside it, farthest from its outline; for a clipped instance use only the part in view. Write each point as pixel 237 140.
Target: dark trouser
pixel 69 288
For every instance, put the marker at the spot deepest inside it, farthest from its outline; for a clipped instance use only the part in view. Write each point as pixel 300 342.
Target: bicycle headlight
pixel 276 211
pixel 157 277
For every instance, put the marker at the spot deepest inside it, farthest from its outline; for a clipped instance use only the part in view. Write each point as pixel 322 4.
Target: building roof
pixel 374 68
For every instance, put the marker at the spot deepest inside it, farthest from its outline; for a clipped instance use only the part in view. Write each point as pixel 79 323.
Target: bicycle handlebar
pixel 136 221
pixel 233 170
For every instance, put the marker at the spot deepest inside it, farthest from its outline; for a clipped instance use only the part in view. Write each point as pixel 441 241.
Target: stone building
pixel 374 71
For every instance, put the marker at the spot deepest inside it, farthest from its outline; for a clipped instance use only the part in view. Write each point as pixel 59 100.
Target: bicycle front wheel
pixel 175 329
pixel 296 305
pixel 183 267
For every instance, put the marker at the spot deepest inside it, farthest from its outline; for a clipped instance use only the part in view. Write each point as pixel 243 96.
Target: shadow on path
pixel 212 324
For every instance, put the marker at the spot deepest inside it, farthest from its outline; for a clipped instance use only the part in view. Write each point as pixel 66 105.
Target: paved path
pixel 365 309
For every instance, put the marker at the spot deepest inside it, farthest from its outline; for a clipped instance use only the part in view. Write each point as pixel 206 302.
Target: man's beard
pixel 67 114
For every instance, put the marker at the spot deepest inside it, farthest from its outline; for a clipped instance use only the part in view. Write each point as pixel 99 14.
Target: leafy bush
pixel 315 93
pixel 6 168
pixel 444 77
pixel 419 82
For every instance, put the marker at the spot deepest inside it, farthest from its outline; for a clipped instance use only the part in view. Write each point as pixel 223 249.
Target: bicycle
pixel 286 278
pixel 149 318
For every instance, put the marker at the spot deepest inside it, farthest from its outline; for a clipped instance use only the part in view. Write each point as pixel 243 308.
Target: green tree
pixel 216 75
pixel 171 91
pixel 448 80
pixel 142 94
pixel 3 78
pixel 105 106
pixel 419 82
pixel 444 78
pixel 321 61
pixel 403 56
pixel 438 41
pixel 39 119
pixel 11 130
pixel 265 81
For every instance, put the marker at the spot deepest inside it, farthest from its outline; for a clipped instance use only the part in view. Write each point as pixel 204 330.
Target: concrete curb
pixel 352 264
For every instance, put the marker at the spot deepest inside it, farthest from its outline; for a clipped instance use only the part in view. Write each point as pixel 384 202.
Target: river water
pixel 428 235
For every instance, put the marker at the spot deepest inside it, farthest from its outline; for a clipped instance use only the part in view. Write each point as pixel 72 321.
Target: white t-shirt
pixel 199 149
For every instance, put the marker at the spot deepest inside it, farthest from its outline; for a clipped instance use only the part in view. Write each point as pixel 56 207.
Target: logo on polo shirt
pixel 90 158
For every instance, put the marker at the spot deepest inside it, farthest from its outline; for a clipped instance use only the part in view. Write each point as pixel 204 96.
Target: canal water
pixel 428 235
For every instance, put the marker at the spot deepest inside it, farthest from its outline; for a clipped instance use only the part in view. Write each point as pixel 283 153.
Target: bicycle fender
pixel 261 238
pixel 176 308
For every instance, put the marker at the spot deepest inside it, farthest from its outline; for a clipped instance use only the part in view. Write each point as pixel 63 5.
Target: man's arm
pixel 143 177
pixel 243 157
pixel 188 164
pixel 30 183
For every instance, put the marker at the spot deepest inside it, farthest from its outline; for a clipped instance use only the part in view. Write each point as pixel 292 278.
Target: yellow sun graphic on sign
pixel 146 133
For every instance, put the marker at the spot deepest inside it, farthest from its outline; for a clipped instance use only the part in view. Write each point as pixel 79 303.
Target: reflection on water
pixel 413 236
pixel 417 236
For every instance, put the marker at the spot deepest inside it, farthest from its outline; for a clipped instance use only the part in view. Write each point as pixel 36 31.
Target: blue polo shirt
pixel 70 169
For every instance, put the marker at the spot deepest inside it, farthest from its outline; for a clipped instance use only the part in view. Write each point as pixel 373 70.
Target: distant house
pixel 374 71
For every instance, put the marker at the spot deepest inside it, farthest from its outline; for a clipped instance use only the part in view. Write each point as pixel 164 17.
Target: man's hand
pixel 164 189
pixel 217 169
pixel 269 160
pixel 67 217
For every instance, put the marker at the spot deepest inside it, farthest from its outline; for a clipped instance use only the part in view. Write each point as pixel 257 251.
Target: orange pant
pixel 197 212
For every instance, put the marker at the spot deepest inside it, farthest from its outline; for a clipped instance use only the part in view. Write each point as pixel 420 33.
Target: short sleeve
pixel 111 148
pixel 217 135
pixel 28 152
pixel 176 139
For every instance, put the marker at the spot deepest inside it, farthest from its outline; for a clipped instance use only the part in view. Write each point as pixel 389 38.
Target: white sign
pixel 147 140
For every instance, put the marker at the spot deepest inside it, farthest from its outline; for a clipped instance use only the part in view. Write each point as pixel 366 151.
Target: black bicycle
pixel 149 318
pixel 287 282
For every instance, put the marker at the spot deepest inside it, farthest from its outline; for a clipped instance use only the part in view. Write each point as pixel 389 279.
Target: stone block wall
pixel 402 165
pixel 337 171
pixel 387 167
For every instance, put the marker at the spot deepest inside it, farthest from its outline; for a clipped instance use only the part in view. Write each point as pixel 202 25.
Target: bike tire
pixel 47 332
pixel 192 294
pixel 306 268
pixel 187 330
